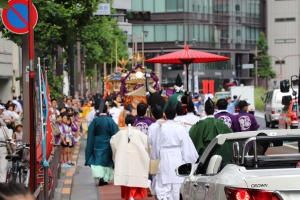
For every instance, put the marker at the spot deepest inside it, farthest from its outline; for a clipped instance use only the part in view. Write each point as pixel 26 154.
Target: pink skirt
pixel 134 192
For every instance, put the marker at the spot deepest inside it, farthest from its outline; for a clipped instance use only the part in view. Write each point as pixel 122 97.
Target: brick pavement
pixel 63 190
pixel 111 192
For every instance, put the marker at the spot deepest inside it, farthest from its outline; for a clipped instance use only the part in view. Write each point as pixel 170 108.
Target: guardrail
pixel 43 192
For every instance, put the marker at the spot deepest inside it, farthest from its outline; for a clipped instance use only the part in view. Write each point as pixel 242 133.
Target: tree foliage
pixel 265 70
pixel 100 36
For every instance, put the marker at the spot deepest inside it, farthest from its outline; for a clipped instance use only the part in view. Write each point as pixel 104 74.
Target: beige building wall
pixel 283 37
pixel 9 69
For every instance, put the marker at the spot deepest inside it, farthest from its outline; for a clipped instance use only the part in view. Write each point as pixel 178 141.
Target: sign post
pixel 21 17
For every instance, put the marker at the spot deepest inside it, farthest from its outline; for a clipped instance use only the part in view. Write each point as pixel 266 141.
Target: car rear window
pixel 220 96
pixel 279 95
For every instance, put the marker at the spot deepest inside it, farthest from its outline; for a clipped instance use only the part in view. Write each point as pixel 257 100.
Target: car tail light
pixel 273 112
pixel 294 118
pixel 249 194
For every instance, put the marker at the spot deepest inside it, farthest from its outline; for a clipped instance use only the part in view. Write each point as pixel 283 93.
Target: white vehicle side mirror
pixel 185 170
pixel 214 164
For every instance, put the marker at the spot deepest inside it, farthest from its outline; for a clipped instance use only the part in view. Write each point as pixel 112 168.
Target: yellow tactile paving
pixel 68 182
pixel 66 191
pixel 76 151
pixel 74 156
pixel 70 173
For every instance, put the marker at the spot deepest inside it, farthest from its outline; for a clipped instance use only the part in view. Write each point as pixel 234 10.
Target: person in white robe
pixel 131 159
pixel 174 148
pixel 115 112
pixel 19 106
pixel 91 115
pixel 189 119
pixel 153 137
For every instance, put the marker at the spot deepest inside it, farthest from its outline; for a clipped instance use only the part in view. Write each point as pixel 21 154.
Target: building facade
pixel 10 70
pixel 225 27
pixel 283 37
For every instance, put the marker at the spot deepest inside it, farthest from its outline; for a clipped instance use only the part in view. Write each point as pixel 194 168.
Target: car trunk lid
pixel 284 181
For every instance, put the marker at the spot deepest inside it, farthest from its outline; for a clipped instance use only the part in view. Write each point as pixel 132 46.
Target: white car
pixel 232 168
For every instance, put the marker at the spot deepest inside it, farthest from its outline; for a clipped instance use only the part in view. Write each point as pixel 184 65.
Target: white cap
pixel 2 107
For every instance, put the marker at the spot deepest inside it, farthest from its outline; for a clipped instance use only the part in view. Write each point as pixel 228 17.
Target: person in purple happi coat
pixel 142 122
pixel 246 121
pixel 228 119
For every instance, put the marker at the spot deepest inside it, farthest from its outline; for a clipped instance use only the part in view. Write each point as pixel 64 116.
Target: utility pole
pixel 79 75
pixel 83 71
pixel 25 82
pixel 256 75
pixel 60 71
pixel 71 70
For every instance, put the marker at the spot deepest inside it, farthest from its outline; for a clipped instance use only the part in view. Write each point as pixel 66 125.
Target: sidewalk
pixel 83 185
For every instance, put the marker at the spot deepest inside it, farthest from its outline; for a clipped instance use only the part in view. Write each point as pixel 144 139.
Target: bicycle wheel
pixel 15 171
pixel 25 175
pixel 9 174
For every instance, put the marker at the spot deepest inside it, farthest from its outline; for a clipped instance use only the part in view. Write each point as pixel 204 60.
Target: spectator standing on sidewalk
pixel 98 153
pixel 130 154
pixel 4 133
pixel 19 106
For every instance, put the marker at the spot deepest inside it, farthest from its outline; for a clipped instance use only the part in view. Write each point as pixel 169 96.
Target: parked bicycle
pixel 19 171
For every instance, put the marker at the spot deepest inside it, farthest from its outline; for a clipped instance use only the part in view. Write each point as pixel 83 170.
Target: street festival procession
pixel 98 102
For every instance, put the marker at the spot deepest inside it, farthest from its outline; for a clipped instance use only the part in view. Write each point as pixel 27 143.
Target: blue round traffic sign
pixel 15 17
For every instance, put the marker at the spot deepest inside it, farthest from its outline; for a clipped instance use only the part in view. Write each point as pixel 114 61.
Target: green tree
pixel 265 69
pixel 62 21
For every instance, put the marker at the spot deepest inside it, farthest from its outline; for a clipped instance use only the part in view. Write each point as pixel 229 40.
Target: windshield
pixel 279 95
pixel 222 95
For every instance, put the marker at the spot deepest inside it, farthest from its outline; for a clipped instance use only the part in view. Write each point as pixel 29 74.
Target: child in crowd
pixel 68 142
pixel 74 127
pixel 18 135
pixel 59 138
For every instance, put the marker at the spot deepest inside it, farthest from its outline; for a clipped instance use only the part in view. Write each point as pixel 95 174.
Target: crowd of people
pixel 123 144
pixel 139 148
pixel 11 128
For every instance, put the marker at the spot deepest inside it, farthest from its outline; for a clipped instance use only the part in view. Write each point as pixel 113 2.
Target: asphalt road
pixel 261 122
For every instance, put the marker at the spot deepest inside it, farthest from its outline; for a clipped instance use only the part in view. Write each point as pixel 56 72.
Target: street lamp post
pixel 279 60
pixel 144 34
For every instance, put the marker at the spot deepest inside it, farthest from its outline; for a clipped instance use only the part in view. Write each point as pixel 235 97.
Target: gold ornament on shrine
pixel 139 58
pixel 123 63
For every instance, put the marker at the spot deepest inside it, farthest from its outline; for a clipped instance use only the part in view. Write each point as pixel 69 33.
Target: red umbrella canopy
pixel 187 56
pixel 229 84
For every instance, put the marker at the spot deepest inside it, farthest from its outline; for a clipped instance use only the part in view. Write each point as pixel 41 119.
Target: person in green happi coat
pixel 176 97
pixel 204 131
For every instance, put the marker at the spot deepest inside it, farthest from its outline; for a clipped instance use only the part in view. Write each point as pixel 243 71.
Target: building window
pixel 281 41
pixel 238 32
pixel 290 19
pixel 278 63
pixel 237 8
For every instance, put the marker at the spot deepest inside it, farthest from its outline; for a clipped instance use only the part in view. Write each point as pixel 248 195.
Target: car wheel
pixel 273 124
pixel 294 127
pixel 267 123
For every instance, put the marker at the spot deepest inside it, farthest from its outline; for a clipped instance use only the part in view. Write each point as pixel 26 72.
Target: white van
pixel 273 106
